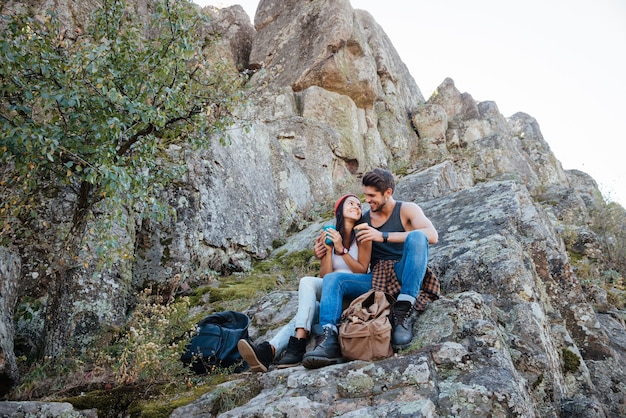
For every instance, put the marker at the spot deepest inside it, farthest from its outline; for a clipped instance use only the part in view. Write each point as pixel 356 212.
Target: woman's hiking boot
pixel 293 353
pixel 259 357
pixel 326 352
pixel 403 317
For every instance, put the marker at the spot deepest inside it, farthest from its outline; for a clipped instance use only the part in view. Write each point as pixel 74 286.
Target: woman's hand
pixel 335 237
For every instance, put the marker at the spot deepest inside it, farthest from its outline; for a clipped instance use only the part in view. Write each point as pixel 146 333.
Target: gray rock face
pixel 495 343
pixel 314 124
pixel 10 271
pixel 44 410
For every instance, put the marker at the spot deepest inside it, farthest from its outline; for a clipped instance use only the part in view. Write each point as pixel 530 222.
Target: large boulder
pixel 10 271
pixel 513 334
pixel 310 128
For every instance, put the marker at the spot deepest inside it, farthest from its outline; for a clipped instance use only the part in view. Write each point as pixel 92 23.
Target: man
pixel 400 234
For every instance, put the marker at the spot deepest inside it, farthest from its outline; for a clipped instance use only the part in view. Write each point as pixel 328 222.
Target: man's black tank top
pixel 390 250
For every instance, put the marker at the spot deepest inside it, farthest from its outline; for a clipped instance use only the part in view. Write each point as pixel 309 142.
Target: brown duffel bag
pixel 365 328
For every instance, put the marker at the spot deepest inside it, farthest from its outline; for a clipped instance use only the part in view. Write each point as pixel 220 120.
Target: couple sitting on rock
pixel 393 238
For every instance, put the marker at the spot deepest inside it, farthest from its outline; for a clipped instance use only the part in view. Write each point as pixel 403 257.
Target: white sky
pixel 563 62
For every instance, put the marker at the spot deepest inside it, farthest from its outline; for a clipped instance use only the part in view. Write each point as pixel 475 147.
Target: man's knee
pixel 416 239
pixel 333 280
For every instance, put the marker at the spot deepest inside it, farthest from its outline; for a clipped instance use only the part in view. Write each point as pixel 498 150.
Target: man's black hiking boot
pixel 293 354
pixel 403 317
pixel 326 352
pixel 259 357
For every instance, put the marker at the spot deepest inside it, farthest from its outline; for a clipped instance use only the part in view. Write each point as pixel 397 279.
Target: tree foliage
pixel 92 113
pixel 88 120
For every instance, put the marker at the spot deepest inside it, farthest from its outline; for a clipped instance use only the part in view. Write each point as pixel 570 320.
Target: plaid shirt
pixel 384 279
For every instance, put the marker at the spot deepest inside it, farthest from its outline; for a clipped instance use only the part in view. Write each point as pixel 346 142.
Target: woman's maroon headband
pixel 341 199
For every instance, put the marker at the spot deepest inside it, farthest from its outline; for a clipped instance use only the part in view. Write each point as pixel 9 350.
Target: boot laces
pixel 321 339
pixel 400 315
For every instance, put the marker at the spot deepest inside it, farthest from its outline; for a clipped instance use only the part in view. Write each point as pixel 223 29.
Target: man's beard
pixel 381 206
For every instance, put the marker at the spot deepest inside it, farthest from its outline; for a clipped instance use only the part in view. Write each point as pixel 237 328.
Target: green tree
pixel 89 116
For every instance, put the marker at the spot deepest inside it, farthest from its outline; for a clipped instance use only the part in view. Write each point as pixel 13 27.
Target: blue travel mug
pixel 328 240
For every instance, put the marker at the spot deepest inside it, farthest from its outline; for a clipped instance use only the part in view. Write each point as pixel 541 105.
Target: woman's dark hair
pixel 379 179
pixel 339 224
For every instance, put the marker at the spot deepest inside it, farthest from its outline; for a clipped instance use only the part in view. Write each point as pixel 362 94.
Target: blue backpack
pixel 215 343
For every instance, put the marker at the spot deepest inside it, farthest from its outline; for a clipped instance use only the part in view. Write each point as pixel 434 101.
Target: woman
pixel 343 254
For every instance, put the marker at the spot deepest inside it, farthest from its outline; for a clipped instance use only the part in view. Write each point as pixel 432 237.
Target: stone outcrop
pixel 307 138
pixel 44 410
pixel 512 336
pixel 10 272
pixel 328 99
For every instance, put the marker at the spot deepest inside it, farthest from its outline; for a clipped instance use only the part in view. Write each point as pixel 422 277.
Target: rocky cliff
pixel 328 99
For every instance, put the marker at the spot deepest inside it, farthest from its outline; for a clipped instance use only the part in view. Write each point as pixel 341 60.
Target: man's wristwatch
pixel 385 236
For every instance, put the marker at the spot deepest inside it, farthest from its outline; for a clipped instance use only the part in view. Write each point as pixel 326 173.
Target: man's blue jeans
pixel 410 270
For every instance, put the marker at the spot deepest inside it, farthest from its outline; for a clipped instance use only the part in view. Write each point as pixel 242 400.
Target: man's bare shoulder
pixel 411 207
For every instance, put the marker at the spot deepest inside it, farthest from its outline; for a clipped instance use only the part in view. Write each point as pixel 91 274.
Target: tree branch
pixel 135 138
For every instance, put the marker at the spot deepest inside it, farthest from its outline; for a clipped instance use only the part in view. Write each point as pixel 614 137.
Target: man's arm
pixel 414 219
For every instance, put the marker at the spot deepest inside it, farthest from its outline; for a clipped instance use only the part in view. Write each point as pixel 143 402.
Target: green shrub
pixel 571 362
pixel 150 349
